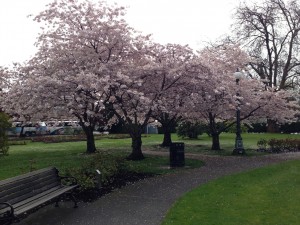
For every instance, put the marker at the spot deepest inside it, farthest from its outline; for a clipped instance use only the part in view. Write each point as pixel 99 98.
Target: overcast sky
pixel 192 22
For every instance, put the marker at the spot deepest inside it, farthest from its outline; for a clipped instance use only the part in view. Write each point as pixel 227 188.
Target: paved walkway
pixel 146 202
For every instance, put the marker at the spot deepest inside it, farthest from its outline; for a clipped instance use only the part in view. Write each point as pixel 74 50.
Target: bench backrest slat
pixel 19 188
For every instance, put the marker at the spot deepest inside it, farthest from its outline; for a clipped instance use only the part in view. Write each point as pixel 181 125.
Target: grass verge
pixel 268 195
pixel 26 157
pixel 158 165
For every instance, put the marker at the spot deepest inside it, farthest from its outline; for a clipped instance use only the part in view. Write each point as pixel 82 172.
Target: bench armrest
pixel 6 213
pixel 68 180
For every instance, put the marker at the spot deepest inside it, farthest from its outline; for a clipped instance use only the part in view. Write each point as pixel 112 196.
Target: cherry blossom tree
pixel 215 99
pixel 133 108
pixel 6 78
pixel 168 122
pixel 2 82
pixel 137 95
pixel 80 50
pixel 174 63
pixel 154 81
pixel 212 95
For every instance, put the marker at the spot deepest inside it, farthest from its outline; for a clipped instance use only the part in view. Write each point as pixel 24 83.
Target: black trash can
pixel 177 154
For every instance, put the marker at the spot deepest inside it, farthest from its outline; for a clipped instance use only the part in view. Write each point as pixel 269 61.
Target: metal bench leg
pixel 74 200
pixel 56 202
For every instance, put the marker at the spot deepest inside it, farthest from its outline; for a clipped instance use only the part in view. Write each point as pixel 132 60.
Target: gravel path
pixel 146 202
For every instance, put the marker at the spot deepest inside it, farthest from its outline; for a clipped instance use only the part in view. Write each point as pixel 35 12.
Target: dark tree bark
pixel 215 141
pixel 167 141
pixel 271 32
pixel 215 134
pixel 136 146
pixel 90 139
pixel 272 126
pixel 168 123
pixel 22 132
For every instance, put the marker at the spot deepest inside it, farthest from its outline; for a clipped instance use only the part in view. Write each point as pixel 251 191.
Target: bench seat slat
pixel 28 191
pixel 14 185
pixel 20 195
pixel 35 201
pixel 32 174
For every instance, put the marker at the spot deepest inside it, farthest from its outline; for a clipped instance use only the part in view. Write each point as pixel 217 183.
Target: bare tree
pixel 270 32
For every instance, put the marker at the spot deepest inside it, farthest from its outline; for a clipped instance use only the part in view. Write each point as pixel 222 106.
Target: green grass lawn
pixel 36 155
pixel 265 196
pixel 203 143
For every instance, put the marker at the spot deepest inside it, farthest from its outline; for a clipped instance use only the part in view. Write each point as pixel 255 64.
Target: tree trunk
pixel 167 141
pixel 168 124
pixel 215 141
pixel 22 132
pixel 214 133
pixel 136 145
pixel 272 126
pixel 90 140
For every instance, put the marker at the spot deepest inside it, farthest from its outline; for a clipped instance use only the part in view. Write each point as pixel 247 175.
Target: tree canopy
pixel 93 67
pixel 270 32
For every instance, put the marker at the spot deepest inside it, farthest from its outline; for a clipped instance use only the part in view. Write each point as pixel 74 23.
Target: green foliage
pixel 17 142
pixel 158 165
pixel 275 145
pixel 117 136
pixel 290 128
pixel 262 144
pixel 284 145
pixel 4 125
pixel 65 155
pixel 220 126
pixel 257 128
pixel 279 145
pixel 58 138
pixel 232 129
pixel 113 166
pixel 267 195
pixel 190 130
pixel 108 164
pixel 68 130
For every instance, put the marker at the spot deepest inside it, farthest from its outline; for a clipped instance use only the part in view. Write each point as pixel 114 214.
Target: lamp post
pixel 239 147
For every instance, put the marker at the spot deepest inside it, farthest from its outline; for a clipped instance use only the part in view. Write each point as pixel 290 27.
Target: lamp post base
pixel 239 152
pixel 239 148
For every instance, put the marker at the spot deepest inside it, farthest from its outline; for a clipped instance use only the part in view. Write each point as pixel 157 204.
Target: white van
pixel 27 129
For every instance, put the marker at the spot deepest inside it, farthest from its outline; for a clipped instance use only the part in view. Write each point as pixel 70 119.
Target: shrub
pixel 58 138
pixel 290 128
pixel 17 142
pixel 117 136
pixel 68 130
pixel 257 128
pixel 220 126
pixel 275 145
pixel 262 145
pixel 190 130
pixel 283 145
pixel 4 125
pixel 232 129
pixel 109 165
pixel 292 145
pixel 4 145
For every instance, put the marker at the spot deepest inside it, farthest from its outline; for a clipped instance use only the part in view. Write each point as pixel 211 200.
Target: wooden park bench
pixel 21 194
